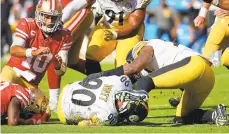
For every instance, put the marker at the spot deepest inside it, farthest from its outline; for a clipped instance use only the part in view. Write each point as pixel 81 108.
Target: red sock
pixel 53 78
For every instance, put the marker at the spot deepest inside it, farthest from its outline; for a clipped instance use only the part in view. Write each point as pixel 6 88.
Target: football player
pixel 120 28
pixel 39 41
pixel 158 64
pixel 78 24
pixel 217 41
pixel 104 101
pixel 22 106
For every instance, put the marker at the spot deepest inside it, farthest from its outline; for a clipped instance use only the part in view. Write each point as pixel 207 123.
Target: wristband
pixel 203 12
pixel 28 53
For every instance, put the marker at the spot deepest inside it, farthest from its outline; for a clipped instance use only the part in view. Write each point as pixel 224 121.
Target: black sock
pixel 197 116
pixel 92 66
pixel 79 66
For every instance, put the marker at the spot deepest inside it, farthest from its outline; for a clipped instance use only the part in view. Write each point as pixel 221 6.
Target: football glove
pixel 110 35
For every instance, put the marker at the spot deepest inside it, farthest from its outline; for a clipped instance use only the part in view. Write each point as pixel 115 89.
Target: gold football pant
pixel 78 25
pixel 192 74
pixel 218 38
pixel 9 75
pixel 98 48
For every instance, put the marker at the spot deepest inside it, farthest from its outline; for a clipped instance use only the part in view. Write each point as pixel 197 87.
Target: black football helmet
pixel 133 111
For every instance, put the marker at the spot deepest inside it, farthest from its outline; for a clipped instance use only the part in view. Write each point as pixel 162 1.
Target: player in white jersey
pixel 103 101
pixel 158 64
pixel 120 28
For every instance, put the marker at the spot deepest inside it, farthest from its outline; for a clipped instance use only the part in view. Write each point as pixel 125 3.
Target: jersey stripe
pixel 77 20
pixel 20 36
pixel 26 98
pixel 22 32
pixel 20 98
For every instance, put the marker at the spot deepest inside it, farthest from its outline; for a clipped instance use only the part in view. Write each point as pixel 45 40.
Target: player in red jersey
pixel 15 98
pixel 78 24
pixel 38 43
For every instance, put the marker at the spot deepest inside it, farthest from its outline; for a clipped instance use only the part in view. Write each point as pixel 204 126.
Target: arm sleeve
pixel 72 7
pixel 21 34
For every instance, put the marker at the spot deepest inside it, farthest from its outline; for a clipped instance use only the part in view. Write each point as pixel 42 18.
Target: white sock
pixel 53 98
pixel 54 94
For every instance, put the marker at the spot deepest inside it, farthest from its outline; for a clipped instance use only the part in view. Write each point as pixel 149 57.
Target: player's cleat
pixel 174 102
pixel 219 116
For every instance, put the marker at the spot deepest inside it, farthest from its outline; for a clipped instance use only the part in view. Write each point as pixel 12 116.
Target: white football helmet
pixel 46 9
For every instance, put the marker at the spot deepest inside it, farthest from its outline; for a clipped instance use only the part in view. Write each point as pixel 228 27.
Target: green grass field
pixel 157 120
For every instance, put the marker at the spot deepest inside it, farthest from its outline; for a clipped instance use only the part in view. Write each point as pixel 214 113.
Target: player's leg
pixel 225 58
pixel 78 25
pixel 193 74
pixel 124 46
pixel 78 35
pixel 8 74
pixel 54 87
pixel 217 37
pixel 98 48
pixel 60 113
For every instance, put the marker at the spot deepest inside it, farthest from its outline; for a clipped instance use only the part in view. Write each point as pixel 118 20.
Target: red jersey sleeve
pixel 65 3
pixel 22 29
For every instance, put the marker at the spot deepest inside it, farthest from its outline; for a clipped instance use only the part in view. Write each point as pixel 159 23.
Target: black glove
pixel 117 71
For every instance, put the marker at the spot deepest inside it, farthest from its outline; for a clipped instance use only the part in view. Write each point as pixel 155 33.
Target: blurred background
pixel 170 20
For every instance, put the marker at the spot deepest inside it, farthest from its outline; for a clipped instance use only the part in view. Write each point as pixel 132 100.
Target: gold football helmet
pixel 48 15
pixel 39 102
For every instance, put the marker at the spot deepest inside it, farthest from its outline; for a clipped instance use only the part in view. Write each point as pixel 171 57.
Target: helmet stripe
pixel 53 5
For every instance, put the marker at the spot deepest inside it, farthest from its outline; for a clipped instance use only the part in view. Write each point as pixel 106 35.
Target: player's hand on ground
pixel 109 35
pixel 198 21
pixel 40 51
pixel 57 61
pixel 91 77
pixel 221 13
pixel 36 119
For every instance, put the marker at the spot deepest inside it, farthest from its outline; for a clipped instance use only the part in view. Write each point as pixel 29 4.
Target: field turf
pixel 159 115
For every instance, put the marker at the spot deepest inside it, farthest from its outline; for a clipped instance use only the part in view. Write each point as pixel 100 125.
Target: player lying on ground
pixel 158 64
pixel 103 101
pixel 22 106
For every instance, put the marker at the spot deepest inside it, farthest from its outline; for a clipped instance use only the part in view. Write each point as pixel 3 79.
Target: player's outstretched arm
pixel 21 52
pixel 135 21
pixel 73 7
pixel 14 113
pixel 136 66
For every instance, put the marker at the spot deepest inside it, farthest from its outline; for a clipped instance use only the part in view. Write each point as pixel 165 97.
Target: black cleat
pixel 174 101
